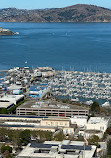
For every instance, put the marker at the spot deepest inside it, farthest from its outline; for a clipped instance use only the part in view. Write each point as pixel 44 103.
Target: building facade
pixel 51 112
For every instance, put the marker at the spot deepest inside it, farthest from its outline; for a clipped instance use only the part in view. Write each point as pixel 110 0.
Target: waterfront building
pixel 38 92
pixel 15 89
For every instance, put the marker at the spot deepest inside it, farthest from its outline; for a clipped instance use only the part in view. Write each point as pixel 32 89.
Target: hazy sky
pixel 35 4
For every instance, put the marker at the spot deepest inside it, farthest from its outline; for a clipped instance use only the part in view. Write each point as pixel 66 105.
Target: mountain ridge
pixel 74 13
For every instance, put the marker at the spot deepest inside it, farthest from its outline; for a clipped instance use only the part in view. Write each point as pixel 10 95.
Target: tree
pixel 93 140
pixel 25 137
pixel 109 149
pixel 9 156
pixel 104 136
pixel 15 138
pixel 60 136
pixel 6 148
pixel 3 134
pixel 6 154
pixel 3 111
pixel 108 131
pixel 44 135
pixel 47 135
pixel 95 107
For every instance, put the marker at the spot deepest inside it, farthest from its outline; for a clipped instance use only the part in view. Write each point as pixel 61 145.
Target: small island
pixel 5 31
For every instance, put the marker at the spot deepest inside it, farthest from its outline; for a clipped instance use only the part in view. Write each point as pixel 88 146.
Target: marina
pixel 79 87
pixel 83 86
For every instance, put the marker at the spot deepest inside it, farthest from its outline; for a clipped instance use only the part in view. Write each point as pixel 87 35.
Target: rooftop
pixel 52 149
pixel 49 105
pixel 93 131
pixel 14 87
pixel 97 120
pixel 11 98
pixel 5 104
pixel 30 116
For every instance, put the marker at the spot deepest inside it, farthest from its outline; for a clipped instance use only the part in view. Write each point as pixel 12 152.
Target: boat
pixel 75 100
pixel 16 33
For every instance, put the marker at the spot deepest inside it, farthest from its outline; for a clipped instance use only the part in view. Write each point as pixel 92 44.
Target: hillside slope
pixel 75 13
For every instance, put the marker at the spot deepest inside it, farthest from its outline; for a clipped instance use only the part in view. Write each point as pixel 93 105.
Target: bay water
pixel 63 46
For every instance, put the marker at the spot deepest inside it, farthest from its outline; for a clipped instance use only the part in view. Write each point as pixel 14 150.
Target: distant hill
pixel 75 13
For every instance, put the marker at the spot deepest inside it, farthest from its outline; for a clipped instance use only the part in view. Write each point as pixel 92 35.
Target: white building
pixel 97 123
pixel 14 99
pixel 90 133
pixel 5 104
pixel 56 149
pixel 79 120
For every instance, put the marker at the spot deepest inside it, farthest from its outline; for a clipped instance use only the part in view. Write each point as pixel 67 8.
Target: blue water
pixel 67 46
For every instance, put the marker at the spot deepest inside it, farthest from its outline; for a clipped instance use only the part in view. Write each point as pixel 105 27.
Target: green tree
pixel 15 138
pixel 60 136
pixel 95 107
pixel 93 140
pixel 44 135
pixel 9 156
pixel 3 134
pixel 6 148
pixel 25 137
pixel 3 111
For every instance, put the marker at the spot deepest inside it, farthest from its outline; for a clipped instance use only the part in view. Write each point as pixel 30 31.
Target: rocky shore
pixel 6 32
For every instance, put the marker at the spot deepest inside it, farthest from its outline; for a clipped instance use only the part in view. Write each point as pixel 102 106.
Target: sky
pixel 41 4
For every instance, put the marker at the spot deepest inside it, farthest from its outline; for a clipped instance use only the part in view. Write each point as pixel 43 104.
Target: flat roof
pixel 97 120
pixel 57 119
pixel 14 87
pixel 41 145
pixel 5 104
pixel 11 98
pixel 93 131
pixel 50 105
pixel 73 151
pixel 76 147
pixel 31 126
pixel 26 116
pixel 79 117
